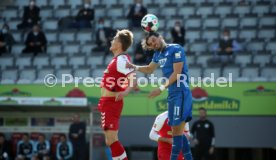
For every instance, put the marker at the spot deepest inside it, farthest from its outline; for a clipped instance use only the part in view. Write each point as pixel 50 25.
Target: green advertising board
pixel 242 99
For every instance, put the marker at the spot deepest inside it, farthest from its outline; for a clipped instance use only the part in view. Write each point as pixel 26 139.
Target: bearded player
pixel 161 132
pixel 113 89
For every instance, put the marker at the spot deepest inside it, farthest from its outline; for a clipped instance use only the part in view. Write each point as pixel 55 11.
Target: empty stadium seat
pixel 271 46
pixel 267 20
pixel 205 10
pixel 84 36
pixel 27 76
pixel 66 36
pixel 13 24
pixel 98 72
pixel 233 69
pixel 187 10
pixel 243 59
pixel 9 76
pixel 241 10
pixel 42 73
pixel 40 61
pixel 9 13
pixel 50 24
pixel 59 61
pixel 71 48
pixel 86 48
pixel 230 21
pixel 248 33
pixel 255 46
pixel 266 33
pixel 192 34
pixel 46 12
pixel 82 72
pixel 195 72
pixel 269 72
pixel 203 59
pixel 17 48
pixel 62 72
pixel 212 71
pixel 211 22
pixel 56 3
pixel 250 72
pixel 210 35
pixel 120 23
pixel 62 11
pixel 115 12
pixel 193 22
pixel 169 11
pixel 23 61
pixel 198 46
pixel 76 61
pixel 93 61
pixel 6 61
pixel 51 36
pixel 260 9
pixel 223 10
pixel 75 3
pixel 54 48
pixel 248 21
pixel 190 59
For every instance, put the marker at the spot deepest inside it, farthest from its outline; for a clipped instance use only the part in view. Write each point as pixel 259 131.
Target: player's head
pixel 2 138
pixel 226 33
pixel 202 113
pixel 25 137
pixel 76 118
pixel 153 41
pixel 62 138
pixel 41 138
pixel 121 41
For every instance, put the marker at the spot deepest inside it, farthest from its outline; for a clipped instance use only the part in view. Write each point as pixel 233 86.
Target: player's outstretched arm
pixel 148 69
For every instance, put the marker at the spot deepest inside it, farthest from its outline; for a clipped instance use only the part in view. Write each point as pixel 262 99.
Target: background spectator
pixel 77 134
pixel 30 16
pixel 178 33
pixel 203 137
pixel 42 148
pixel 104 36
pixel 36 41
pixel 4 148
pixel 140 57
pixel 25 148
pixel 225 49
pixel 6 40
pixel 136 13
pixel 85 16
pixel 64 149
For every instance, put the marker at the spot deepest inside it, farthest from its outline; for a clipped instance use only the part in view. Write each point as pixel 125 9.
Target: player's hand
pixel 211 150
pixel 121 95
pixel 170 140
pixel 154 93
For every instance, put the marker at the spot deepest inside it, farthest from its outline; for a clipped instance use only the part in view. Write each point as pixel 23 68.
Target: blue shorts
pixel 179 107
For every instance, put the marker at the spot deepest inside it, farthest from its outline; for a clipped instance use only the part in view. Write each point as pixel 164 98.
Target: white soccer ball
pixel 150 23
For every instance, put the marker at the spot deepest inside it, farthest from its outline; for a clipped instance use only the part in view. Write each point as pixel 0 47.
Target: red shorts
pixel 110 112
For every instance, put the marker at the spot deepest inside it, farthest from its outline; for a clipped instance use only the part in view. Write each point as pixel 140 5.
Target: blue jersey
pixel 173 53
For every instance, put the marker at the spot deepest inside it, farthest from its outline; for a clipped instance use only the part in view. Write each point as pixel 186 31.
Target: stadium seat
pixel 66 36
pixel 41 3
pixel 62 72
pixel 17 35
pixel 203 59
pixel 190 59
pixel 198 46
pixel 243 59
pixel 230 21
pixel 153 10
pixel 76 61
pixel 50 24
pixel 21 3
pixel 260 9
pixel 9 76
pixel 211 22
pixel 62 11
pixel 84 36
pixel 205 10
pixel 40 61
pixel 6 61
pixel 75 3
pixel 108 60
pixel 241 10
pixel 17 48
pixel 42 73
pixel 193 22
pixel 192 34
pixel 269 72
pixel 98 72
pixel 210 35
pixel 87 48
pixel 100 12
pixel 82 72
pixel 271 46
pixel 51 36
pixel 115 13
pixel 255 46
pixel 46 12
pixel 195 72
pixel 267 20
pixel 168 11
pixel 187 10
pixel 59 61
pixel 13 23
pixel 266 33
pixel 212 71
pixel 248 34
pixel 54 49
pixel 233 69
pixel 250 71
pixel 23 61
pixel 223 10
pixel 26 76
pixel 93 61
pixel 248 21
pixel 71 48
pixel 120 23
pixel 9 13
pixel 56 3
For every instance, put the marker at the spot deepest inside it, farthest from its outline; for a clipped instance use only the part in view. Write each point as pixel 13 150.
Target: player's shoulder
pixel 162 116
pixel 123 57
pixel 174 46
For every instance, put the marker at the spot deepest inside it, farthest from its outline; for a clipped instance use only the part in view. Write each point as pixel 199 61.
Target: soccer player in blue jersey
pixel 171 59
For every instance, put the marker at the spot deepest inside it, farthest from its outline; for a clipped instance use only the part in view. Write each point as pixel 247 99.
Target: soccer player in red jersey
pixel 113 89
pixel 161 132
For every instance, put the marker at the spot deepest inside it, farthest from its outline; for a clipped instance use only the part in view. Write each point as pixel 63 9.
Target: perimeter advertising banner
pixel 244 99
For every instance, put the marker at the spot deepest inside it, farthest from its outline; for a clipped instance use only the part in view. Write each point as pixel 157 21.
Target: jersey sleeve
pixel 121 65
pixel 178 54
pixel 159 122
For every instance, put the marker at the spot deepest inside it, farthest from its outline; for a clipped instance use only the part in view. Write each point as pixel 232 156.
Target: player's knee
pixel 110 139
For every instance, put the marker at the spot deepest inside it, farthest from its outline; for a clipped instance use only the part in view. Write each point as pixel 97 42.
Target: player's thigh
pixel 179 129
pixel 111 136
pixel 164 155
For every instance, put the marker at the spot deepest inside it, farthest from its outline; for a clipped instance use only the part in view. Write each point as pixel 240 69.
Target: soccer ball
pixel 150 23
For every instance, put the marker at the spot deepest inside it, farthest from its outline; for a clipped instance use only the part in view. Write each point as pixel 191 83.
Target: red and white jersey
pixel 164 130
pixel 115 75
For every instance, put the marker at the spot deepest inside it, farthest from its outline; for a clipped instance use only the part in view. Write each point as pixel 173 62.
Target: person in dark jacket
pixel 36 41
pixel 6 40
pixel 4 148
pixel 178 34
pixel 84 17
pixel 42 148
pixel 136 13
pixel 77 133
pixel 203 133
pixel 30 16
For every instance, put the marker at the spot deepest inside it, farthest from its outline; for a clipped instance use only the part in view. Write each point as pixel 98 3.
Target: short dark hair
pixel 2 135
pixel 144 42
pixel 26 134
pixel 63 135
pixel 226 30
pixel 126 38
pixel 202 109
